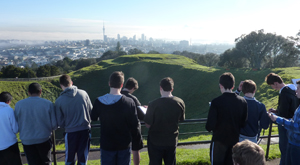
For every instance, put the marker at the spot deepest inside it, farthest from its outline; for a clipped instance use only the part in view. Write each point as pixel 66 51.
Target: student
pixel 257 114
pixel 9 149
pixel 162 118
pixel 226 116
pixel 36 121
pixel 248 153
pixel 119 123
pixel 73 108
pixel 132 85
pixel 287 104
pixel 293 133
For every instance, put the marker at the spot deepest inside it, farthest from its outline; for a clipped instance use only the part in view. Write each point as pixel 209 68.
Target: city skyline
pixel 198 21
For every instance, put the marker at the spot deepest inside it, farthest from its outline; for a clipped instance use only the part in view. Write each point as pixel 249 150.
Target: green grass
pixel 195 84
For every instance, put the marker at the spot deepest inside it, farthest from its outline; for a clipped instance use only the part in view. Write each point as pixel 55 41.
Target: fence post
pixel 54 149
pixel 269 141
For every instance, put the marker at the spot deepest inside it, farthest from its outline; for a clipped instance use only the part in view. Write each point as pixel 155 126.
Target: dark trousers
pixel 283 143
pixel 120 157
pixel 11 155
pixel 157 153
pixel 38 154
pixel 292 156
pixel 220 154
pixel 77 143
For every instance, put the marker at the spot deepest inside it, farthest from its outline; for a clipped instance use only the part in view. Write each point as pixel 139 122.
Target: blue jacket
pixel 257 118
pixel 292 126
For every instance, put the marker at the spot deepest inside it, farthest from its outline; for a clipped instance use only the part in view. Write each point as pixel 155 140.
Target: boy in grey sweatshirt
pixel 73 108
pixel 36 121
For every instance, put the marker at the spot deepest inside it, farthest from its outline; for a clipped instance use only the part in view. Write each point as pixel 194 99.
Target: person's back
pixel 73 108
pixel 167 112
pixel 257 118
pixel 36 120
pixel 226 116
pixel 162 118
pixel 230 119
pixel 257 113
pixel 9 150
pixel 119 123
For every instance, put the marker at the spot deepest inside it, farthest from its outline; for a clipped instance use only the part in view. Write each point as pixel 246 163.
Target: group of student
pixel 119 113
pixel 236 122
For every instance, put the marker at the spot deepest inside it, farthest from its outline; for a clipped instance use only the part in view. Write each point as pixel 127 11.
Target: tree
pixel 109 55
pixel 135 51
pixel 260 48
pixel 232 58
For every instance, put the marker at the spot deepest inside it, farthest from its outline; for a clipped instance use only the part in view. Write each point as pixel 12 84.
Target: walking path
pixel 96 154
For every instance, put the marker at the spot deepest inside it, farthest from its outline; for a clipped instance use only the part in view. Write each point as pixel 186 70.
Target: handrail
pixel 187 121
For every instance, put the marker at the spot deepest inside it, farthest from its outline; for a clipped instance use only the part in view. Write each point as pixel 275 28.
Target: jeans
pixel 283 142
pixel 120 157
pixel 77 145
pixel 292 157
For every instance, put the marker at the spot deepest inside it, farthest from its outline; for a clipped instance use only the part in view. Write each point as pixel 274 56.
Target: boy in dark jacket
pixel 226 116
pixel 287 104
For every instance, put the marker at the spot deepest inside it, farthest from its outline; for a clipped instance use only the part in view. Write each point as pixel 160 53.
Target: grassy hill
pixel 195 84
pixel 18 90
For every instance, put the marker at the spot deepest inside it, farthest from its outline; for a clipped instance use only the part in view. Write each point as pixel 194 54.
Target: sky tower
pixel 103 32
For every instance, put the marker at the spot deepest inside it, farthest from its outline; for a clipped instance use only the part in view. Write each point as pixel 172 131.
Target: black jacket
pixel 287 103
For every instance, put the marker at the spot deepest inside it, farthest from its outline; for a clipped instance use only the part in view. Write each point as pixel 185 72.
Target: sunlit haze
pixel 198 21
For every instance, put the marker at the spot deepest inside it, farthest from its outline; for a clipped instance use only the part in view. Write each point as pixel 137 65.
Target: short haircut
pixel 248 153
pixel 65 80
pixel 298 82
pixel 5 97
pixel 272 78
pixel 227 80
pixel 131 83
pixel 167 84
pixel 116 79
pixel 34 88
pixel 249 86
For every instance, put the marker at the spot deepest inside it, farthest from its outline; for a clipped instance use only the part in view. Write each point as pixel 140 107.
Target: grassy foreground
pixel 190 156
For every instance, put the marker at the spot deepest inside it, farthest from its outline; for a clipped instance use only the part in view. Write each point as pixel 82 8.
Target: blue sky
pixel 202 21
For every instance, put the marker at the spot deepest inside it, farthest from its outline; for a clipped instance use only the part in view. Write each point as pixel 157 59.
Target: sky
pixel 199 21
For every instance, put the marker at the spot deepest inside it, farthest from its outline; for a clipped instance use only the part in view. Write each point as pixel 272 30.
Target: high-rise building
pixel 134 37
pixel 143 37
pixel 87 42
pixel 184 43
pixel 104 33
pixel 118 37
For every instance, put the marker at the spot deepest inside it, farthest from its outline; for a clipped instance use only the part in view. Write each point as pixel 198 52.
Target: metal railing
pixel 188 121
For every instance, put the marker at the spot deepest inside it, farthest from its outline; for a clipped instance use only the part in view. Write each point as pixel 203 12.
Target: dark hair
pixel 131 83
pixel 5 97
pixel 272 78
pixel 65 80
pixel 116 79
pixel 249 86
pixel 298 82
pixel 167 84
pixel 227 80
pixel 34 88
pixel 248 153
